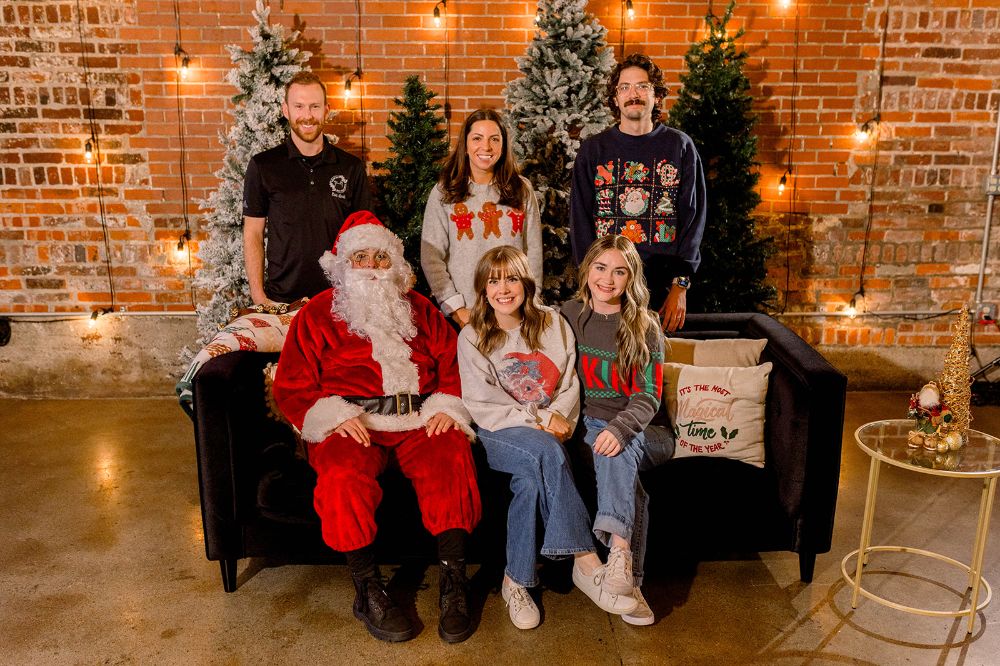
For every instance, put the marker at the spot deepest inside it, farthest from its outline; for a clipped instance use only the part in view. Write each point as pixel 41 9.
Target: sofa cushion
pixel 736 352
pixel 717 411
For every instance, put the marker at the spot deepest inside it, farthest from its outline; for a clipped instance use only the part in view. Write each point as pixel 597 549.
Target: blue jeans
pixel 543 487
pixel 622 502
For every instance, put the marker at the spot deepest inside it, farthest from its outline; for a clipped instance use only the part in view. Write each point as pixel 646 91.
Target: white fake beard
pixel 373 304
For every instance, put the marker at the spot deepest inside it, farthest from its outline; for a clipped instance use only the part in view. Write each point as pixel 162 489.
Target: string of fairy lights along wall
pixel 182 64
pixel 92 154
pixel 356 76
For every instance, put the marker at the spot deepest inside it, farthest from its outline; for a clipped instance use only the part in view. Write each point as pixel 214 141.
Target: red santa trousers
pixel 347 492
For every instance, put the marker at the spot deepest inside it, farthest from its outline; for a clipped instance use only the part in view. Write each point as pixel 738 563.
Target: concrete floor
pixel 102 561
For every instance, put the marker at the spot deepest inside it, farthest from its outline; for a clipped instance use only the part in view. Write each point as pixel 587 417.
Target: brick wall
pixel 942 61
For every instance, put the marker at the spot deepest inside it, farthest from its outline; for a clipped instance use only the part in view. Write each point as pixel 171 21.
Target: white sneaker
pixel 593 587
pixel 520 606
pixel 642 616
pixel 618 579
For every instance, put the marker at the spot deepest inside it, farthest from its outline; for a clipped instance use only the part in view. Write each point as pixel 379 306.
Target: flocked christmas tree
pixel 260 75
pixel 714 108
pixel 417 146
pixel 558 102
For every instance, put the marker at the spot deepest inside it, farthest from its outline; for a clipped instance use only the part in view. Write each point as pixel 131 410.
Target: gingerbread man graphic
pixel 516 221
pixel 463 221
pixel 490 216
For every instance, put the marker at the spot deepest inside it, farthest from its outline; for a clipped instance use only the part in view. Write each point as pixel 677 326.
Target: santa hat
pixel 361 231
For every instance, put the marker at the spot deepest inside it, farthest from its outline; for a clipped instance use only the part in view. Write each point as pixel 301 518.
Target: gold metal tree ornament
pixel 956 381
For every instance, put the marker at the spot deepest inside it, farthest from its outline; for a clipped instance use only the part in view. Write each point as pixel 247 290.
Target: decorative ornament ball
pixel 954 440
pixel 942 445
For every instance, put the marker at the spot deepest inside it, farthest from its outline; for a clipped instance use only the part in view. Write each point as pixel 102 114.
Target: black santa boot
pixel 372 604
pixel 455 624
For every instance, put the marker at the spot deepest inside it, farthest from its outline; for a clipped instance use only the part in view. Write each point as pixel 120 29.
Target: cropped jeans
pixel 622 502
pixel 543 487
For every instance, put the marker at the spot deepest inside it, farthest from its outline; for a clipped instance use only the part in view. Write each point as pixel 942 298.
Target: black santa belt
pixel 400 404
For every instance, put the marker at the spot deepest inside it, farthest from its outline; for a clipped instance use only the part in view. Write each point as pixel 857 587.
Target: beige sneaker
pixel 642 616
pixel 594 588
pixel 618 579
pixel 520 606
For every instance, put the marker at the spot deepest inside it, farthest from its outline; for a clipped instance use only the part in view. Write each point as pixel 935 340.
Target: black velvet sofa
pixel 256 496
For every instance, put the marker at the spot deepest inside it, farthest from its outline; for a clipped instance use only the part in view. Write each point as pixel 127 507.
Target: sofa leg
pixel 807 564
pixel 228 574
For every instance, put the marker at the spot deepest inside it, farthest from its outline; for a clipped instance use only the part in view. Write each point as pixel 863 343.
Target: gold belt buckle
pixel 399 404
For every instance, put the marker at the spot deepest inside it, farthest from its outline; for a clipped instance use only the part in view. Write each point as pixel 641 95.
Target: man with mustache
pixel 298 194
pixel 644 178
pixel 369 376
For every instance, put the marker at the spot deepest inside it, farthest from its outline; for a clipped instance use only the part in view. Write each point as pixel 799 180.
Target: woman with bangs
pixel 620 364
pixel 480 202
pixel 517 362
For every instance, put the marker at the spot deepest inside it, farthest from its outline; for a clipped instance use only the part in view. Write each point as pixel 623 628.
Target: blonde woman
pixel 517 362
pixel 620 364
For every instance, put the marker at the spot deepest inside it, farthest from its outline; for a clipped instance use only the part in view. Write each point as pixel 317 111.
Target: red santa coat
pixel 323 360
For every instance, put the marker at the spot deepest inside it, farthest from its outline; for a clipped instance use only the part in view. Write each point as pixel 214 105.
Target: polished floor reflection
pixel 102 561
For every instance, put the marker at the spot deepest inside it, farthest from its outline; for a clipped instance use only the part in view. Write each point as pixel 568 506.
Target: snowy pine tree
pixel 260 75
pixel 417 146
pixel 714 108
pixel 558 102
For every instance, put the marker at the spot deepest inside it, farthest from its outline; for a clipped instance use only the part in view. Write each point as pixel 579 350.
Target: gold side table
pixel 886 442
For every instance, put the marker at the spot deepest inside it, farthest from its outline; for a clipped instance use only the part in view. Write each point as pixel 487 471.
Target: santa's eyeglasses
pixel 367 258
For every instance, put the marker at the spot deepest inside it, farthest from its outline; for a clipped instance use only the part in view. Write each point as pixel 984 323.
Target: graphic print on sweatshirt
pixel 636 200
pixel 601 378
pixel 529 378
pixel 490 216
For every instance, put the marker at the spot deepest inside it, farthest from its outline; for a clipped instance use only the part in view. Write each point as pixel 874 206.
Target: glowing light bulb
pixel 781 183
pixel 92 322
pixel 88 151
pixel 437 16
pixel 185 67
pixel 862 134
pixel 347 88
pixel 630 10
pixel 180 250
pixel 538 17
pixel 785 4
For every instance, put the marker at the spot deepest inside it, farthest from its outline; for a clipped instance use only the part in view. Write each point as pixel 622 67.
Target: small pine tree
pixel 558 102
pixel 417 146
pixel 714 108
pixel 260 75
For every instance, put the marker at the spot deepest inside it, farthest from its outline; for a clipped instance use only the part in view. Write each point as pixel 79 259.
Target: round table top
pixel 887 441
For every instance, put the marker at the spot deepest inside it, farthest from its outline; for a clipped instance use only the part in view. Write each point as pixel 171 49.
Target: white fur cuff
pixel 450 405
pixel 325 415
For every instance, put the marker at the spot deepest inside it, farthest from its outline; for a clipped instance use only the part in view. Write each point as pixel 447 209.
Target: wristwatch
pixel 682 281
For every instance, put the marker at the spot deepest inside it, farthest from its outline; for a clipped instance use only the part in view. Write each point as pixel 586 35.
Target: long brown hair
pixel 502 262
pixel 456 173
pixel 636 319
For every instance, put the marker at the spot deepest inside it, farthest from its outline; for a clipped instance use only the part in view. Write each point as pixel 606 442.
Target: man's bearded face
pixel 372 296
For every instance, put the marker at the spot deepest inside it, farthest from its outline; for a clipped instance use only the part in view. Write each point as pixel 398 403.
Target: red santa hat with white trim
pixel 360 231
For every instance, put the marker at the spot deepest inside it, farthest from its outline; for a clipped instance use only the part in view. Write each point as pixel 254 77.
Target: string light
pixel 538 16
pixel 355 75
pixel 630 10
pixel 867 128
pixel 852 306
pixel 785 4
pixel 783 180
pixel 95 315
pixel 437 12
pixel 88 151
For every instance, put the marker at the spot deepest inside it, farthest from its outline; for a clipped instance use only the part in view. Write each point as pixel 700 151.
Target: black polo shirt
pixel 305 201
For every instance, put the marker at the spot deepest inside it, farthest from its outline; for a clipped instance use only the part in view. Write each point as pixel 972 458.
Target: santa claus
pixel 368 372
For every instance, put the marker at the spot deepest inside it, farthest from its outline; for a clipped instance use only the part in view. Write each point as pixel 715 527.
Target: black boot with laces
pixel 378 612
pixel 455 624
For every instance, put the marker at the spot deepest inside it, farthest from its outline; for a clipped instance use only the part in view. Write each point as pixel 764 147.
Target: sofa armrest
pixel 805 416
pixel 231 425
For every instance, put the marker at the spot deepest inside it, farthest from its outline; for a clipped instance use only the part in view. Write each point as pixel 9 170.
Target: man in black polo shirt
pixel 299 194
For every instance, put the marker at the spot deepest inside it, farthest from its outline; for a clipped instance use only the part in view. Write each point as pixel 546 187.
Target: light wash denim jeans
pixel 542 482
pixel 622 502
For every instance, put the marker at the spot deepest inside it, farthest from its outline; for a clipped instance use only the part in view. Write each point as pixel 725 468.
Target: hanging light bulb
pixel 852 309
pixel 437 16
pixel 88 151
pixel 630 10
pixel 781 183
pixel 185 67
pixel 785 4
pixel 861 134
pixel 538 16
pixel 347 88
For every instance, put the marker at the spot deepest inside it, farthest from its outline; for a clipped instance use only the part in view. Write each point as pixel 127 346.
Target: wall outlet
pixel 987 312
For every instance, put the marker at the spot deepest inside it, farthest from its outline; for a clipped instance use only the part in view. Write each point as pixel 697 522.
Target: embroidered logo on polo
pixel 338 186
pixel 637 200
pixel 531 379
